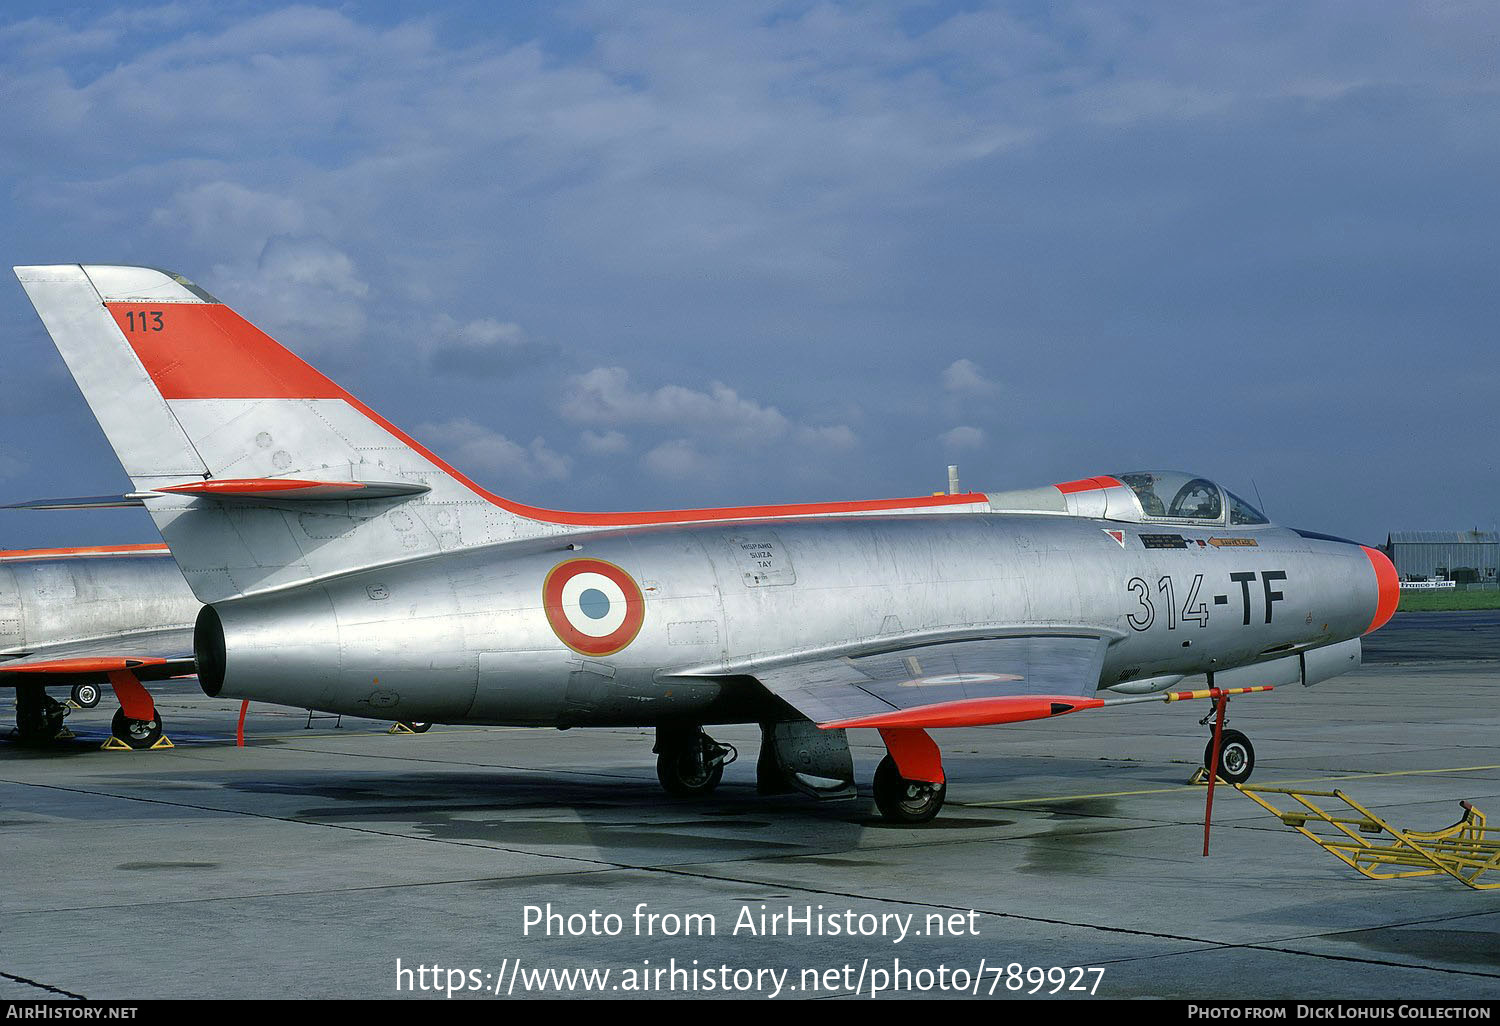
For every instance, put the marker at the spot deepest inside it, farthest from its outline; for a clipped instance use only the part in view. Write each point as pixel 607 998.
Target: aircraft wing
pixel 149 655
pixel 950 684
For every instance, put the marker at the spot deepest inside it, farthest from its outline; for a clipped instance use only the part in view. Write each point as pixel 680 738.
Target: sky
pixel 652 255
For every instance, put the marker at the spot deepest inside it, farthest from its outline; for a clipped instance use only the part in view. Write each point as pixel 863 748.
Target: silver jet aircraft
pixel 344 567
pixel 78 618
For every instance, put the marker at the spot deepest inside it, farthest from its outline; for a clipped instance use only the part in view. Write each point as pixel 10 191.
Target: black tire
pixel 137 734
pixel 418 727
pixel 85 696
pixel 1236 757
pixel 683 775
pixel 39 716
pixel 906 801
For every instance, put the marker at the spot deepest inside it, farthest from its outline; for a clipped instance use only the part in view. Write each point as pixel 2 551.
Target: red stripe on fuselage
pixel 1087 484
pixel 207 351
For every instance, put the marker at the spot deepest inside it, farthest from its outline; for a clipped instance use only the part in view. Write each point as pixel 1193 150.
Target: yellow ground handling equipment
pixel 1465 851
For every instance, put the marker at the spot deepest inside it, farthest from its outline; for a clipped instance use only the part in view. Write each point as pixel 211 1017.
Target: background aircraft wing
pixel 150 655
pixel 956 683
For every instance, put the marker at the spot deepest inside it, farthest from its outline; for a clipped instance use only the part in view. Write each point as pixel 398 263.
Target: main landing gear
pixel 902 800
pixel 1236 753
pixel 39 716
pixel 689 763
pixel 136 724
pixel 910 787
pixel 909 783
pixel 136 734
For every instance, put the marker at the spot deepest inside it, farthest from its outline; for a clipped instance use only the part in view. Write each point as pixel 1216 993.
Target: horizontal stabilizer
pixel 83 502
pixel 263 489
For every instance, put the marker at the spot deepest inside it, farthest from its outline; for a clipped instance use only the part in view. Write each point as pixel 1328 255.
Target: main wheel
pixel 39 716
pixel 691 770
pixel 906 801
pixel 138 734
pixel 417 726
pixel 1236 757
pixel 85 696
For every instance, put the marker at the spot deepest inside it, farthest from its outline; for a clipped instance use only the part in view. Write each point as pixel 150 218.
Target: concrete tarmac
pixel 308 862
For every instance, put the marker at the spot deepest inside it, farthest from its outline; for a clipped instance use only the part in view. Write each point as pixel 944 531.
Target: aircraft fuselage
pixel 468 636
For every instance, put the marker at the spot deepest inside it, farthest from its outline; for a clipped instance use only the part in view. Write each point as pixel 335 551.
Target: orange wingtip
pixel 98 664
pixel 974 712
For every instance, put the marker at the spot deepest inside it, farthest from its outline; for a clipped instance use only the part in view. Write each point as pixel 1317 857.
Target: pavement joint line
pixel 1449 918
pixel 42 986
pixel 1199 787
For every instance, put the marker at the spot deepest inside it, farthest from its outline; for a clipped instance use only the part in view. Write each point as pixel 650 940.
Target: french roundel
pixel 593 606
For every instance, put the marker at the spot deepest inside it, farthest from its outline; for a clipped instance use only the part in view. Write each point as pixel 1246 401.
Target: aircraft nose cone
pixel 1388 586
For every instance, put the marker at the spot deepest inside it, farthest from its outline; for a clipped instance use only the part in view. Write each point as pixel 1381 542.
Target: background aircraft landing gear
pixel 137 734
pixel 39 716
pixel 1236 757
pixel 906 801
pixel 85 696
pixel 689 763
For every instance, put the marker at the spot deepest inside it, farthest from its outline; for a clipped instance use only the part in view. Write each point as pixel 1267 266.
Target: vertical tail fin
pixel 245 453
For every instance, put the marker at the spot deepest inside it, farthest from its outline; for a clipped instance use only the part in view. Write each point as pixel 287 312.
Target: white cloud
pixel 604 443
pixel 606 395
pixel 835 437
pixel 466 445
pixel 223 215
pixel 964 377
pixel 963 438
pixel 485 347
pixel 679 459
pixel 302 290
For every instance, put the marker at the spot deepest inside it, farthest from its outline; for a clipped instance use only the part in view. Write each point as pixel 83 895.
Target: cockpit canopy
pixel 1168 497
pixel 1173 495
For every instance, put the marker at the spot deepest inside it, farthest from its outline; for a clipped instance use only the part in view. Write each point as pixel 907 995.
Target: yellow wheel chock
pixel 1465 851
pixel 114 744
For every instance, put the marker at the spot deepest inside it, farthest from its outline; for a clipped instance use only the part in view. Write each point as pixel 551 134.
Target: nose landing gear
pixel 1236 754
pixel 1236 757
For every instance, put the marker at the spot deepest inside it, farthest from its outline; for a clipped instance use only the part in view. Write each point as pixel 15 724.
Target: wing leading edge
pixel 950 684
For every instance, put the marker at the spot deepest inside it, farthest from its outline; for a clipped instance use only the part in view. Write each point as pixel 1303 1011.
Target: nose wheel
pixel 1236 757
pixel 906 801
